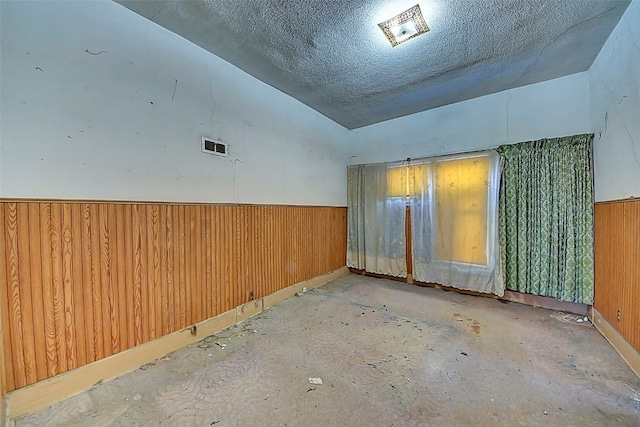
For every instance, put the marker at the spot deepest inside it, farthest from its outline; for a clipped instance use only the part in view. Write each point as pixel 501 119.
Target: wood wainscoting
pixel 617 266
pixel 80 281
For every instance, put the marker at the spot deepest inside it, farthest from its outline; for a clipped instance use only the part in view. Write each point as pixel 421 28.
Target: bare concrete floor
pixel 388 354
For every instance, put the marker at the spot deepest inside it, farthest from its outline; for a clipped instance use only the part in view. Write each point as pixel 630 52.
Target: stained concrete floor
pixel 388 354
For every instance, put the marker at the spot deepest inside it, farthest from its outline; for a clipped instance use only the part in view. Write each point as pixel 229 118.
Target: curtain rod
pixel 412 159
pixel 480 150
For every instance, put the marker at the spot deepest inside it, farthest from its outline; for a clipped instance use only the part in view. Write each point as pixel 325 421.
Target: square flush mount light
pixel 405 26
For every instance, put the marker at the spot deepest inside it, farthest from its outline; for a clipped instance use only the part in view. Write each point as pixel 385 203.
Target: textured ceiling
pixel 331 55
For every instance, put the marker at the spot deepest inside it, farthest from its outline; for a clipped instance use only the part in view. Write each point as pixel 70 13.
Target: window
pixel 455 191
pixel 406 180
pixel 434 219
pixel 461 214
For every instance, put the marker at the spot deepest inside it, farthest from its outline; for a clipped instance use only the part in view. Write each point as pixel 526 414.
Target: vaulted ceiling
pixel 332 56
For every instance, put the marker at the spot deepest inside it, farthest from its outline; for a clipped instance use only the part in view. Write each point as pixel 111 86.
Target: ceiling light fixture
pixel 405 26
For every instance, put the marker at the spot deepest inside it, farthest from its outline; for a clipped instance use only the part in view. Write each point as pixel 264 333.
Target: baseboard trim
pixel 546 302
pixel 44 393
pixel 617 341
pixel 512 296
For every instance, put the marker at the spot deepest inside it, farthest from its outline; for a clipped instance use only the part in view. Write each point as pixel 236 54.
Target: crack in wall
pixel 236 193
pixel 605 126
pixel 632 38
pixel 174 89
pixel 633 143
pixel 159 10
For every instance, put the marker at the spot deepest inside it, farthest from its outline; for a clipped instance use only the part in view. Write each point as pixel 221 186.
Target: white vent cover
pixel 217 148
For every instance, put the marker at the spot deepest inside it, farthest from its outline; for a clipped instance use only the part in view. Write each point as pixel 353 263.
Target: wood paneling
pixel 617 266
pixel 82 281
pixel 3 319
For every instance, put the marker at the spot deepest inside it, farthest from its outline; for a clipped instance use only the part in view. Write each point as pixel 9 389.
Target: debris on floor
pixel 569 318
pixel 208 342
pixel 386 375
pixel 155 362
pixel 458 317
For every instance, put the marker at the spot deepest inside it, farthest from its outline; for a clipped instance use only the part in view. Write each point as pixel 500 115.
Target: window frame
pixel 489 243
pixel 430 197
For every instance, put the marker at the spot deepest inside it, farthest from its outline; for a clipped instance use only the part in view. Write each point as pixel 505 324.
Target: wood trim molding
pixel 622 346
pixel 47 392
pixel 630 199
pixel 3 383
pixel 158 202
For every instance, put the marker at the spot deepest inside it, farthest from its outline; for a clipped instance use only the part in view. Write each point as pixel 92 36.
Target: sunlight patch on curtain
pixel 461 201
pixel 454 223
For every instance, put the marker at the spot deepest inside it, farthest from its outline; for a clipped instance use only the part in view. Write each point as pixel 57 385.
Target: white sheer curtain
pixel 454 223
pixel 376 239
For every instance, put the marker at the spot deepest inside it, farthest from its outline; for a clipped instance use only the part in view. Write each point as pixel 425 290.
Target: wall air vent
pixel 217 148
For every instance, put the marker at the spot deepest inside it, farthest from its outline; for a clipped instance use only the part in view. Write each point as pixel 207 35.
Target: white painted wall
pixel 125 124
pixel 614 82
pixel 554 108
pixel 74 125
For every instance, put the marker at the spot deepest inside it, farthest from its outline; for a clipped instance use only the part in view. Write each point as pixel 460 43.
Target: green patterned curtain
pixel 546 218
